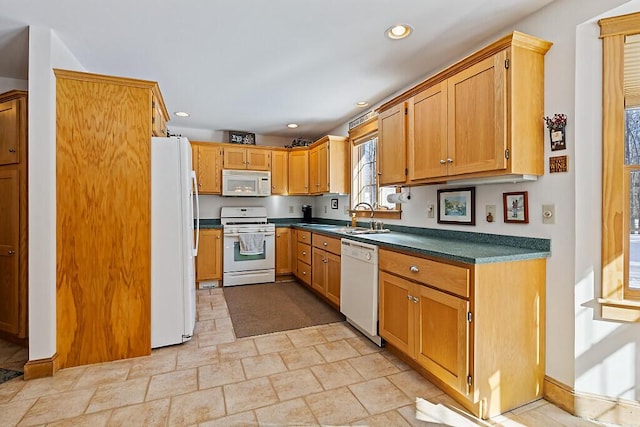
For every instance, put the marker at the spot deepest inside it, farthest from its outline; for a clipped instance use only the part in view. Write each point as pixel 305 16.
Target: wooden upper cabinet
pixel 207 163
pixel 279 172
pixel 427 136
pixel 328 165
pixel 477 103
pixel 10 132
pixel 247 158
pixel 391 155
pixel 160 116
pixel 299 171
pixel 479 117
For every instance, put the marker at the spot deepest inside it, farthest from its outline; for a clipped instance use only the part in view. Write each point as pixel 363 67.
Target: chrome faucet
pixel 370 208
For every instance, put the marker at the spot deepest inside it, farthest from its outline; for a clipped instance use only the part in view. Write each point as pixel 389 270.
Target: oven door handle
pixel 238 234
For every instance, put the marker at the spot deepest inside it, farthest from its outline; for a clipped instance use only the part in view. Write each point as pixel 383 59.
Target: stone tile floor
pixel 322 375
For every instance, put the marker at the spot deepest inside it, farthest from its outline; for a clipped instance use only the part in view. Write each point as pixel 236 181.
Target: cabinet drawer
pixel 449 278
pixel 304 252
pixel 329 244
pixel 304 272
pixel 304 236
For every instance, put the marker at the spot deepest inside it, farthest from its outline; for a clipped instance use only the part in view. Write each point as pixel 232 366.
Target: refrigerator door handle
pixel 195 185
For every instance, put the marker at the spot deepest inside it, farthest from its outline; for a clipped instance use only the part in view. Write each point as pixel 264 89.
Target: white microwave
pixel 246 183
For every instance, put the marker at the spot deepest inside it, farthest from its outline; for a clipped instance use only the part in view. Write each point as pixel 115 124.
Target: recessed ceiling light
pixel 181 114
pixel 398 32
pixel 292 125
pixel 361 104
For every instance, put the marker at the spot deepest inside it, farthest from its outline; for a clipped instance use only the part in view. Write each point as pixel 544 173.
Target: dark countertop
pixel 461 246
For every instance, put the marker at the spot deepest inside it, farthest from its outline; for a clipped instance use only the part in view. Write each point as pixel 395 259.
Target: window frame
pixel 618 301
pixel 359 135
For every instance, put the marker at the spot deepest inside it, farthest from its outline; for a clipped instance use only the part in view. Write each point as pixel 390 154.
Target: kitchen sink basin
pixel 363 230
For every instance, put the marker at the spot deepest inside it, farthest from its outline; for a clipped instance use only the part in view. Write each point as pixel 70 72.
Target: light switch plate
pixel 548 214
pixel 490 209
pixel 431 210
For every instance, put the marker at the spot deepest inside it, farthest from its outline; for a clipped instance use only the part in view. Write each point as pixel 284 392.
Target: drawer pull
pixel 415 299
pixel 409 297
pixel 304 273
pixel 325 260
pixel 414 269
pixel 304 252
pixel 325 243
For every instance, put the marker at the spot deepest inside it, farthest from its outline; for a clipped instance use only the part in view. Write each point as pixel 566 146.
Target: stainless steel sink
pixel 363 230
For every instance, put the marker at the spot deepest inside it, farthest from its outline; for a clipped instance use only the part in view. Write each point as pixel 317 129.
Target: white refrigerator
pixel 174 241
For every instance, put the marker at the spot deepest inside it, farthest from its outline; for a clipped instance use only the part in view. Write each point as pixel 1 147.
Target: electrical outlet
pixel 431 210
pixel 290 209
pixel 548 214
pixel 490 213
pixel 325 208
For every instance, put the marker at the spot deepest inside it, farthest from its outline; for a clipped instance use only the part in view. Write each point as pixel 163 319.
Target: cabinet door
pixel 9 239
pixel 158 121
pixel 477 120
pixel 259 160
pixel 391 155
pixel 333 278
pixel 9 133
pixel 319 270
pixel 396 312
pixel 299 172
pixel 314 183
pixel 235 158
pixel 279 172
pixel 323 168
pixel 207 162
pixel 284 255
pixel 209 259
pixel 427 137
pixel 443 336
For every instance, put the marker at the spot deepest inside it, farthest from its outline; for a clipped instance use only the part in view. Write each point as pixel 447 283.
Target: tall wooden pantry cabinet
pixel 103 182
pixel 13 216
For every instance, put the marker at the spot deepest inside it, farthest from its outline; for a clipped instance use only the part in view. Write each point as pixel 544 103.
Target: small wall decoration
pixel 334 203
pixel 516 207
pixel 556 126
pixel 457 206
pixel 558 164
pixel 236 137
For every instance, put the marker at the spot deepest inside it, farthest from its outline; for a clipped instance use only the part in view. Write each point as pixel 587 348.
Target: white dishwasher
pixel 359 287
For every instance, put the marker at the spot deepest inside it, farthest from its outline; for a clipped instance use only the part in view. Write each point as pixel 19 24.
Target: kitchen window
pixel 620 298
pixel 364 185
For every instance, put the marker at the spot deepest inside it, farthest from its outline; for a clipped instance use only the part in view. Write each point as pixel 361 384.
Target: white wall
pixel 46 51
pixel 7 84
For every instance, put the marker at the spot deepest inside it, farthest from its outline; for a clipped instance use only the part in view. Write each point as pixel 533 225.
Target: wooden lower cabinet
pixel 209 259
pixel 481 341
pixel 326 264
pixel 303 256
pixel 284 251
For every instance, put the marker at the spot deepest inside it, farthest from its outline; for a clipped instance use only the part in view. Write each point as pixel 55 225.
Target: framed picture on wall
pixel 457 206
pixel 516 207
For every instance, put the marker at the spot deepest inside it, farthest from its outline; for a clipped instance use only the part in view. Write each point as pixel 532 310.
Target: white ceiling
pixel 256 65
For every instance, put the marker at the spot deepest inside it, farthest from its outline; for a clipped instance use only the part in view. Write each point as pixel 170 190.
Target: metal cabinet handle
pixel 304 273
pixel 325 260
pixel 11 252
pixel 304 252
pixel 409 297
pixel 325 243
pixel 449 160
pixel 414 269
pixel 442 161
pixel 415 299
pixel 12 150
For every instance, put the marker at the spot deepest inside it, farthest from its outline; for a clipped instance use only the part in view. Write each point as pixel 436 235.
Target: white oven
pixel 246 183
pixel 249 246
